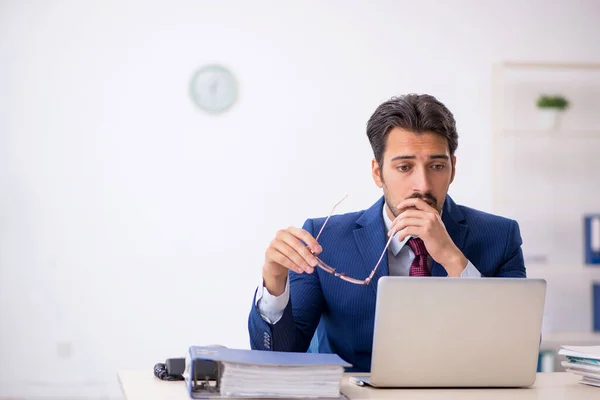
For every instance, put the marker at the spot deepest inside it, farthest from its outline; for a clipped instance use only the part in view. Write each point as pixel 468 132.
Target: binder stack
pixel 213 372
pixel 583 361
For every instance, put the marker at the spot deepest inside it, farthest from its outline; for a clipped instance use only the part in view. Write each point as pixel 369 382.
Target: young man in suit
pixel 414 139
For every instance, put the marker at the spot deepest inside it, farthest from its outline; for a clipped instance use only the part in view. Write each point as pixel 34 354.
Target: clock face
pixel 214 89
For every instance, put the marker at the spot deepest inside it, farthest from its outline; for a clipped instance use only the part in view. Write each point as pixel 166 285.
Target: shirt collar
pixel 395 244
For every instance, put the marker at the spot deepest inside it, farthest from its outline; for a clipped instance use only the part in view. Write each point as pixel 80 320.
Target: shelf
pixel 546 195
pixel 594 268
pixel 571 338
pixel 577 271
pixel 550 65
pixel 537 133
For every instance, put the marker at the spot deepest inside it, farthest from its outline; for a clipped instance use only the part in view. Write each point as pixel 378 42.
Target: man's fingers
pixel 295 244
pixel 411 214
pixel 289 251
pixel 287 257
pixel 307 238
pixel 299 248
pixel 275 256
pixel 409 231
pixel 400 224
pixel 419 204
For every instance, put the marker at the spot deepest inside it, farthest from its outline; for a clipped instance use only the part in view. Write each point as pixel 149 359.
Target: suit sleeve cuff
pixel 271 307
pixel 470 271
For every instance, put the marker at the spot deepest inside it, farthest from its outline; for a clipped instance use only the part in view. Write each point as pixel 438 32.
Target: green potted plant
pixel 550 108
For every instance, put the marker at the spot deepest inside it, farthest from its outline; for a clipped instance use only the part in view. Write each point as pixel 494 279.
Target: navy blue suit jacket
pixel 352 243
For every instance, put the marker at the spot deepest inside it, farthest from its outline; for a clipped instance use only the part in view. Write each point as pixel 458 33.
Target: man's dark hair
pixel 417 113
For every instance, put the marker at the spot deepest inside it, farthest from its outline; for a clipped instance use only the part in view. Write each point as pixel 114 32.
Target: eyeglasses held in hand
pixel 323 265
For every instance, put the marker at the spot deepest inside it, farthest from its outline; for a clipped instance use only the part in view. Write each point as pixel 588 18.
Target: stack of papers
pixel 264 374
pixel 583 361
pixel 241 380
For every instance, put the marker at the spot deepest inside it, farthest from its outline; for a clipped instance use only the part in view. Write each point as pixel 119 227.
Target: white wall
pixel 132 225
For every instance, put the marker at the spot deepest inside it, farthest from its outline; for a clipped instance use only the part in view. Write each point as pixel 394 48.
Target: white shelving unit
pixel 547 180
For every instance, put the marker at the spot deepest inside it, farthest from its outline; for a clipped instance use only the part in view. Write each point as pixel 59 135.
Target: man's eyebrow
pixel 403 158
pixel 436 156
pixel 431 157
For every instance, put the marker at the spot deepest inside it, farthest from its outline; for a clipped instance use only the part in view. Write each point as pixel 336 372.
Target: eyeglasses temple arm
pixel 325 223
pixel 368 280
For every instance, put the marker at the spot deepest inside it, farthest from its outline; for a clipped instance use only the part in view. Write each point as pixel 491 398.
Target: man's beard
pixel 428 197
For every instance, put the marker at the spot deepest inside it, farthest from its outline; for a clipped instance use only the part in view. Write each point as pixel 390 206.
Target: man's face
pixel 414 166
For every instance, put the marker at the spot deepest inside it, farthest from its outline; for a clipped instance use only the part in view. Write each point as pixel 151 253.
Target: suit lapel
pixel 370 239
pixel 453 219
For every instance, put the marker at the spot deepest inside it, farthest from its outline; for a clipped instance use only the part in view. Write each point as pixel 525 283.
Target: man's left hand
pixel 422 220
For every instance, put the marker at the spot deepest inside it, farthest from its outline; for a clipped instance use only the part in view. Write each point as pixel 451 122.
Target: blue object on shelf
pixel 545 361
pixel 596 306
pixel 592 239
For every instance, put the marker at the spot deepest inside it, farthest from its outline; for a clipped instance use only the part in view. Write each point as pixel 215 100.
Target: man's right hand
pixel 287 252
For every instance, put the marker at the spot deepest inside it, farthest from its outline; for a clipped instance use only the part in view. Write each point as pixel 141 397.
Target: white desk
pixel 144 386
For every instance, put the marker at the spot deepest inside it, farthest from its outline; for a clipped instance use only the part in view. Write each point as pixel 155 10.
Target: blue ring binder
pixel 592 239
pixel 596 305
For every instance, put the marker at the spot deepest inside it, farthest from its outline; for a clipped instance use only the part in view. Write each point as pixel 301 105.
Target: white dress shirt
pixel 400 258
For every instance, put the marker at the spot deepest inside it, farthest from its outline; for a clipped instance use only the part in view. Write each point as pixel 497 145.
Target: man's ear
pixel 376 171
pixel 453 168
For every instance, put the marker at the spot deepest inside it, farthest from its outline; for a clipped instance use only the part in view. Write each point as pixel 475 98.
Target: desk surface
pixel 561 385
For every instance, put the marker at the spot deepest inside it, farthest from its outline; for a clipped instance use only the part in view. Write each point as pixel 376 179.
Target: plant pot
pixel 548 118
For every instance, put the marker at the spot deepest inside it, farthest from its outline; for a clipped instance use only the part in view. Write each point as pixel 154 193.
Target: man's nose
pixel 421 181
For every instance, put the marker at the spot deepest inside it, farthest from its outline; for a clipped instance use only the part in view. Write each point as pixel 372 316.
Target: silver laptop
pixel 440 332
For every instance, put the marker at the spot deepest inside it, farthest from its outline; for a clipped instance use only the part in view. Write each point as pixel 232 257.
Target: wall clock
pixel 214 89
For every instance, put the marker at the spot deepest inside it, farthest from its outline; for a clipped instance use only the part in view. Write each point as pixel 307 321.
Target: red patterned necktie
pixel 418 267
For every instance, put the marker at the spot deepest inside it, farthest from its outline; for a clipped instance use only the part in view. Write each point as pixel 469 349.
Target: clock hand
pixel 213 87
